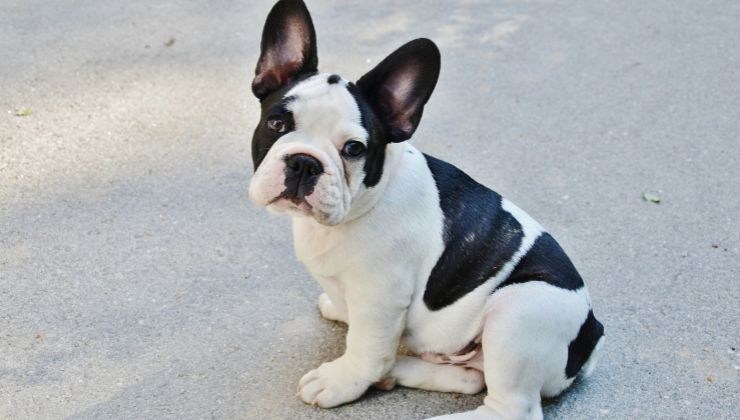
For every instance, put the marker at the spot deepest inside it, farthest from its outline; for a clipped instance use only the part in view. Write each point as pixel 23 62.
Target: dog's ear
pixel 288 47
pixel 399 87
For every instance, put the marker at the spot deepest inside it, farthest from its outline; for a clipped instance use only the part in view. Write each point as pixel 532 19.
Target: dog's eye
pixel 276 124
pixel 353 148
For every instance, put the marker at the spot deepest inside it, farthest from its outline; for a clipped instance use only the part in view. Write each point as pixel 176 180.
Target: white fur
pixel 414 372
pixel 360 258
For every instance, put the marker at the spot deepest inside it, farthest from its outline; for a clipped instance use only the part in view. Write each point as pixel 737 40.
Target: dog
pixel 408 248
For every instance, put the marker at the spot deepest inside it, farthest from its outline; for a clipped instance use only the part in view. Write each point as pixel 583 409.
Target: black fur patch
pixel 479 236
pixel 583 345
pixel 334 78
pixel 274 104
pixel 546 261
pixel 375 155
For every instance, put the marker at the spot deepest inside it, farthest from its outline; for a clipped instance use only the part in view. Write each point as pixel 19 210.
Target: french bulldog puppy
pixel 408 248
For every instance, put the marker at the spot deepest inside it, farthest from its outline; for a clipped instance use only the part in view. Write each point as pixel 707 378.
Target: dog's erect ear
pixel 399 87
pixel 288 47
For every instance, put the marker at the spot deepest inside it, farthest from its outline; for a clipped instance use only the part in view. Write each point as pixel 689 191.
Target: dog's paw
pixel 330 385
pixel 329 310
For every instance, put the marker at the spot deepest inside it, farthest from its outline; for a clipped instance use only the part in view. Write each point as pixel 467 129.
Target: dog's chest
pixel 326 252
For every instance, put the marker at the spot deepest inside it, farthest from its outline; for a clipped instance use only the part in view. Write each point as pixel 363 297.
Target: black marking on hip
pixel 479 236
pixel 545 261
pixel 580 349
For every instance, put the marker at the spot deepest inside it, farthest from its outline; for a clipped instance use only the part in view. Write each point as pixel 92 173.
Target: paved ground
pixel 137 281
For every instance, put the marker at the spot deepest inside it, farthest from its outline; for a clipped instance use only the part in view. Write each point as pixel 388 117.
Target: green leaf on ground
pixel 651 198
pixel 23 112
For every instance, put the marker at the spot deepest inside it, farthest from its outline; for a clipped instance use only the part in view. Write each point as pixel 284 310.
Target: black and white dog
pixel 407 247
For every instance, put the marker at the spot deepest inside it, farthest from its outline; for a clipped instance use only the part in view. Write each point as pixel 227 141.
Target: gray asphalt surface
pixel 137 280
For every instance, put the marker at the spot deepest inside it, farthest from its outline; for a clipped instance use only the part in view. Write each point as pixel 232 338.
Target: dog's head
pixel 321 142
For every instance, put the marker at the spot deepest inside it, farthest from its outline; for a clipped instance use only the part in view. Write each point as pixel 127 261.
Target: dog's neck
pixel 366 201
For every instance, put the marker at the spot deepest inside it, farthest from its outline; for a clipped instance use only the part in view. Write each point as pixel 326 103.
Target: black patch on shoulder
pixel 479 236
pixel 334 78
pixel 376 144
pixel 583 345
pixel 545 261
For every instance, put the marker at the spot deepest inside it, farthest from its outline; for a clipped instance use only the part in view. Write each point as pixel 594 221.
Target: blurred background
pixel 137 280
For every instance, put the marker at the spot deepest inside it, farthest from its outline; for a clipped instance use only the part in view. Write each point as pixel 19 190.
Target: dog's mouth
pixel 286 202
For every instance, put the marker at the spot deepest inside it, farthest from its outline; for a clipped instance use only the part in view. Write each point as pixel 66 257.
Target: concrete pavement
pixel 137 281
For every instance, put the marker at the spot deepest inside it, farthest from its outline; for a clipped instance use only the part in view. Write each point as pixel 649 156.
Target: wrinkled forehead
pixel 323 105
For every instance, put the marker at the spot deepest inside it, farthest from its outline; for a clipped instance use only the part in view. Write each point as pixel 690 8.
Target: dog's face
pixel 321 141
pixel 313 150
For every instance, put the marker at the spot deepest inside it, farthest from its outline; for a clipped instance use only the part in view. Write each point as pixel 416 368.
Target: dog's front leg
pixel 376 321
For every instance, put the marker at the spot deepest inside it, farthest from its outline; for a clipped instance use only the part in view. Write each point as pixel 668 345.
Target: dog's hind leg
pixel 526 334
pixel 414 372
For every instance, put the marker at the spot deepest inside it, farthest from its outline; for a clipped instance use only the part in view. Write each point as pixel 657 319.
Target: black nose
pixel 301 174
pixel 301 163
